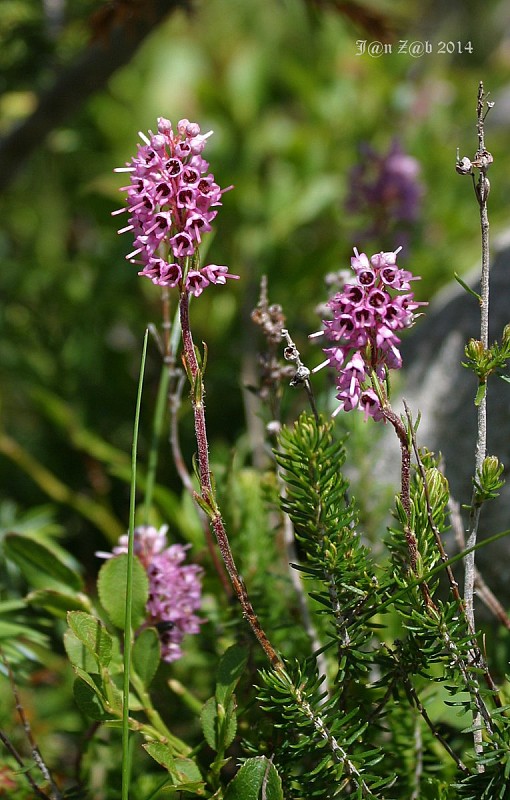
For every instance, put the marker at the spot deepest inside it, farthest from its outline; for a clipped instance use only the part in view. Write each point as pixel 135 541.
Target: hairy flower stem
pixel 207 497
pixel 174 402
pixel 169 394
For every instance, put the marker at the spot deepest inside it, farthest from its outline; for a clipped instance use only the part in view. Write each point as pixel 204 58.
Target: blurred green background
pixel 292 104
pixel 290 100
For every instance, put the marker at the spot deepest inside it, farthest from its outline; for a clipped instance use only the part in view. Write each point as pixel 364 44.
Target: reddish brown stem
pixel 174 402
pixel 207 493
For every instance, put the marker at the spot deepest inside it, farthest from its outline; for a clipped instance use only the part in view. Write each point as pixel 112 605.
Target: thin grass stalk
pixel 128 634
pixel 157 430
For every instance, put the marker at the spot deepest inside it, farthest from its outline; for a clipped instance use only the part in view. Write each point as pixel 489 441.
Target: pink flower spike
pixel 364 320
pixel 171 200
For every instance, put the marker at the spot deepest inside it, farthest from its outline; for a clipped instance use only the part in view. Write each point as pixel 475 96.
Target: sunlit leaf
pixel 111 585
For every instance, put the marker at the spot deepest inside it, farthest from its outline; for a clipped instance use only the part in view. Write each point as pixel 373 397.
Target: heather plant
pixel 339 670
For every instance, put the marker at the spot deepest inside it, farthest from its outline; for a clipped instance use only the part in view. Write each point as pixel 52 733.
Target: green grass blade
pixel 126 760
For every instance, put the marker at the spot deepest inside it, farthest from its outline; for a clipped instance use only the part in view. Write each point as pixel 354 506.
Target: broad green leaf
pixel 162 754
pixel 90 631
pixel 88 700
pixel 219 725
pixel 257 779
pixel 230 669
pixel 108 693
pixel 187 770
pixel 146 655
pixel 79 655
pixel 111 585
pixel 95 683
pixel 184 772
pixel 58 603
pixel 39 563
pixel 209 722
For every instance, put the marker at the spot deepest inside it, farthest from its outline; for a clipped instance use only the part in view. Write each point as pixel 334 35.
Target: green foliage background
pixel 290 100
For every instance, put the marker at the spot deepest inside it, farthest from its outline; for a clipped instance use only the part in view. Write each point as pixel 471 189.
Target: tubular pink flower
pixel 196 282
pixel 162 273
pixel 217 273
pixel 366 315
pixel 175 589
pixel 172 199
pixel 371 405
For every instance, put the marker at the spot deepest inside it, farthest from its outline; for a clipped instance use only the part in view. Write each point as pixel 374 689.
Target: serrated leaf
pixel 58 603
pixel 255 775
pixel 90 631
pixel 208 720
pixel 184 772
pixel 78 654
pixel 111 586
pixel 219 725
pixel 230 668
pixel 38 561
pixel 146 655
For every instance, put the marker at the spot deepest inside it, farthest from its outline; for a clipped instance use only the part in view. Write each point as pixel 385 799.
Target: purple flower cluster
pixel 366 316
pixel 175 588
pixel 172 199
pixel 387 188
